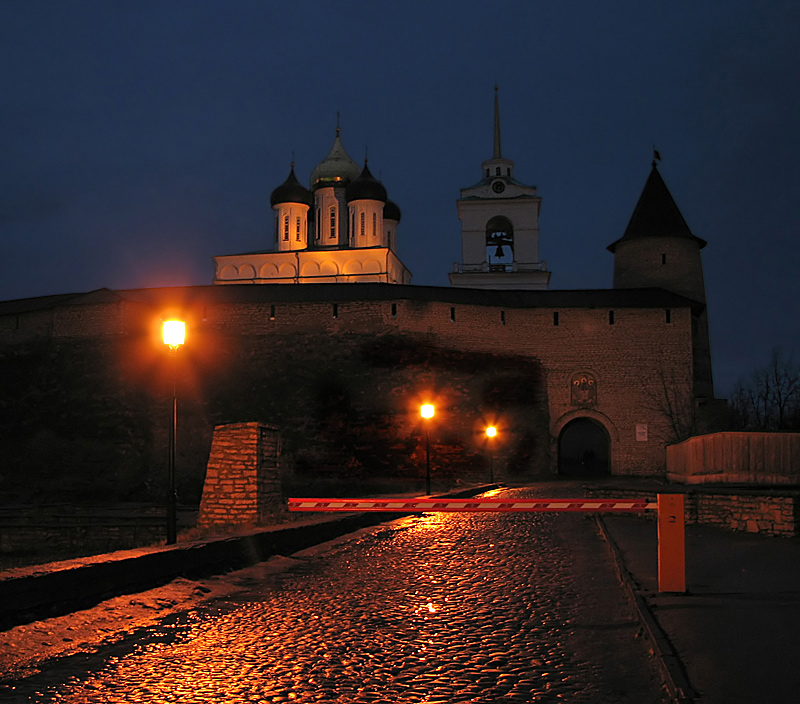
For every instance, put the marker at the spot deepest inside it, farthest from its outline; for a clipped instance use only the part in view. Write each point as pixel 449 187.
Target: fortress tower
pixel 659 250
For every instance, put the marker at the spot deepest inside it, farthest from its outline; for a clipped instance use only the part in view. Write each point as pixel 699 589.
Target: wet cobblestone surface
pixel 439 608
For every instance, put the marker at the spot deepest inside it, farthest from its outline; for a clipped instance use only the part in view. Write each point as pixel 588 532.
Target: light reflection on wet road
pixel 439 608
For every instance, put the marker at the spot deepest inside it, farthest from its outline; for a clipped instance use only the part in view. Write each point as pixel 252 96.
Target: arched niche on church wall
pixel 269 271
pixel 310 269
pixel 228 273
pixel 372 266
pixel 353 266
pixel 287 270
pixel 329 268
pixel 247 271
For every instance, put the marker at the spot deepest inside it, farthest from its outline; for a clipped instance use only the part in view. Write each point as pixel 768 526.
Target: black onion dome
pixel 291 191
pixel 391 211
pixel 365 187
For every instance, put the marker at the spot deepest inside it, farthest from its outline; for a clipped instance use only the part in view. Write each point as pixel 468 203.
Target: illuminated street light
pixel 491 433
pixel 174 335
pixel 426 411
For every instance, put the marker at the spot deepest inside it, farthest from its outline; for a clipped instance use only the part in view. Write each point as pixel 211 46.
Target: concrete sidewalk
pixel 735 636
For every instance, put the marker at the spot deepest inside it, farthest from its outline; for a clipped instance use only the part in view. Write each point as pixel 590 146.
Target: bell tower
pixel 499 228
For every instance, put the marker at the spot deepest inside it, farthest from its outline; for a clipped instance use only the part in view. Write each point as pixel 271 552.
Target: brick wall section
pixel 26 326
pixel 58 531
pixel 242 484
pixel 79 539
pixel 630 359
pixel 772 514
pixel 638 263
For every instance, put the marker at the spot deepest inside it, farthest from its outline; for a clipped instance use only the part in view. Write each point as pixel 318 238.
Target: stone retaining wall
pixel 753 511
pixel 56 529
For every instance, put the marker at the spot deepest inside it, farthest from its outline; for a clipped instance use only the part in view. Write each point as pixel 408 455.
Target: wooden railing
pixel 736 457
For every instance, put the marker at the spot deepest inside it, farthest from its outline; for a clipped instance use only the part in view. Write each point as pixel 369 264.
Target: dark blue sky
pixel 139 139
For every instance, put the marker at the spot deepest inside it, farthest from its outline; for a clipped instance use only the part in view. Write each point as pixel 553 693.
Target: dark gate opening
pixel 583 449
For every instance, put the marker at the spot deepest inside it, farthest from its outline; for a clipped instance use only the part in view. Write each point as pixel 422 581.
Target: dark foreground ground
pixel 434 608
pixel 731 639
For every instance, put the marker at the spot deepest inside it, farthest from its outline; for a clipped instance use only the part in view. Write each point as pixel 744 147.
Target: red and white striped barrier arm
pixel 464 505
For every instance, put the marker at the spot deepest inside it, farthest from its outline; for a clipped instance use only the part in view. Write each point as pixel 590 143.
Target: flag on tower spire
pixel 656 155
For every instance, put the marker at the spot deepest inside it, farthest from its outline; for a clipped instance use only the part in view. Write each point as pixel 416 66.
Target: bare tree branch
pixel 770 398
pixel 673 400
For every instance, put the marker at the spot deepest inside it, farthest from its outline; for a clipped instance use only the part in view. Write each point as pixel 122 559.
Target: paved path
pixel 479 608
pixel 736 631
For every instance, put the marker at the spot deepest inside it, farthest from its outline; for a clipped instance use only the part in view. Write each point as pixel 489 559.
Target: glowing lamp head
pixel 174 333
pixel 426 410
pixel 491 431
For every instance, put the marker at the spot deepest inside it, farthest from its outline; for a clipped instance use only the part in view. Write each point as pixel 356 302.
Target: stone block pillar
pixel 242 485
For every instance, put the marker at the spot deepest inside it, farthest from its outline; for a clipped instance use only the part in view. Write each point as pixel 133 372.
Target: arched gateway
pixel 583 449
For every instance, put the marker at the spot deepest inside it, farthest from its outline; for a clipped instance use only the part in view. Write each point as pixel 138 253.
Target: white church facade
pixel 342 230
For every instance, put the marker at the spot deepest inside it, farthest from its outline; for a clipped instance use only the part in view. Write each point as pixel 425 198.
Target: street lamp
pixel 491 433
pixel 426 411
pixel 174 334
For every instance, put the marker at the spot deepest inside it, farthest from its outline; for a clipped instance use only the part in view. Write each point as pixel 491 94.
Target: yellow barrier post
pixel 671 543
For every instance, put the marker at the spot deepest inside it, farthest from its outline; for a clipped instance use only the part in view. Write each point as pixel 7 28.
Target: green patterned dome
pixel 336 169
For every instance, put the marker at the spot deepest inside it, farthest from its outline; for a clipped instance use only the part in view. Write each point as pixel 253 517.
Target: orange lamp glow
pixel 426 410
pixel 173 333
pixel 491 431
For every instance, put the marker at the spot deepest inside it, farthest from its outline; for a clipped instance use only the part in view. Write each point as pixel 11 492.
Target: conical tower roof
pixel 656 214
pixel 336 169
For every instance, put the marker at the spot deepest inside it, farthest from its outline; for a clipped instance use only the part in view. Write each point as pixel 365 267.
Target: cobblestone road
pixel 439 608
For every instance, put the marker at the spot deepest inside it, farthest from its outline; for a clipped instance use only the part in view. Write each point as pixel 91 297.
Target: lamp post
pixel 174 335
pixel 491 432
pixel 426 411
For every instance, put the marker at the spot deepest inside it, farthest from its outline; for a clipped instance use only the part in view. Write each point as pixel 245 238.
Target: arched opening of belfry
pixel 499 243
pixel 583 449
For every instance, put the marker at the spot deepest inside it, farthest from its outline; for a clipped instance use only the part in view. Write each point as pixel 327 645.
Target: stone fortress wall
pixel 610 356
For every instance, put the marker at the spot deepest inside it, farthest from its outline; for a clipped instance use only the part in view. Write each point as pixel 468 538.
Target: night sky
pixel 139 139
